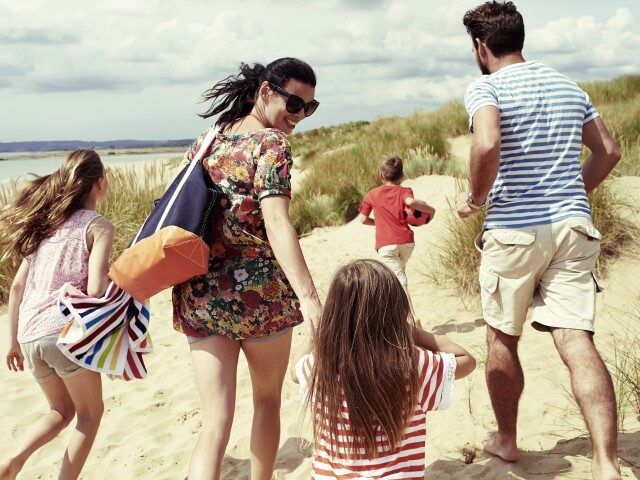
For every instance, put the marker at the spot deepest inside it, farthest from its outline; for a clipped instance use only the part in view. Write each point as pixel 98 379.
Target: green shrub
pixel 341 163
pixel 626 87
pixel 132 190
pixel 457 260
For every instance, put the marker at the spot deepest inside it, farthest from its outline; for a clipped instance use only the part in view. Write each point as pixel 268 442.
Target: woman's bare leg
pixel 215 361
pixel 268 362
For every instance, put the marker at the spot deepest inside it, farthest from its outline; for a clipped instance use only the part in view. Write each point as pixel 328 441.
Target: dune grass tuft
pixel 457 261
pixel 624 359
pixel 618 102
pixel 132 190
pixel 342 162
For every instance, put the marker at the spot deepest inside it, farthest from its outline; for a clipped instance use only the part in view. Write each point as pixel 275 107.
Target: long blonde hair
pixel 364 354
pixel 46 202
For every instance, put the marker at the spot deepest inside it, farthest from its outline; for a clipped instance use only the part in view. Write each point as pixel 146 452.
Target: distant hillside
pixel 53 146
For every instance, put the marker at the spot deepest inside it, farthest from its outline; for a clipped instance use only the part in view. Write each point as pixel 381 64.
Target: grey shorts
pixel 45 360
pixel 266 338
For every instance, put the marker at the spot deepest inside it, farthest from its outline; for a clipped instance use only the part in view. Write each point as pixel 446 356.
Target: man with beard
pixel 539 244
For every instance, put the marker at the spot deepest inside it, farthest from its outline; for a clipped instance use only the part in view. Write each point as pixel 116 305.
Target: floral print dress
pixel 245 294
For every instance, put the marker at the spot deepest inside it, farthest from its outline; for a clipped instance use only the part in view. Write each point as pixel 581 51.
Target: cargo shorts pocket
pixel 588 231
pixel 489 295
pixel 597 281
pixel 513 237
pixel 585 242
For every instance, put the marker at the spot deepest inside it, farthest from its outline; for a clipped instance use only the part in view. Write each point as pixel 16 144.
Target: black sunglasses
pixel 294 102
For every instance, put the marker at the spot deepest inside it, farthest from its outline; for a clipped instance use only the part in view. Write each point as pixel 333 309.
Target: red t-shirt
pixel 387 203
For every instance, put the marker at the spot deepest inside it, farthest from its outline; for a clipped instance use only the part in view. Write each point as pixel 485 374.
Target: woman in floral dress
pixel 258 286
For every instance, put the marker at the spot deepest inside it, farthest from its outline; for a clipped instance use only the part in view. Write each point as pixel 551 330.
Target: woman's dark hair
pixel 233 97
pixel 498 24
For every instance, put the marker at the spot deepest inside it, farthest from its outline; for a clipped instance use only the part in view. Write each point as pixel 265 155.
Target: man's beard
pixel 483 68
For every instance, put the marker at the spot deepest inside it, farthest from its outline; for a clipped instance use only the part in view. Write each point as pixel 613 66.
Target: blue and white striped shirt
pixel 541 118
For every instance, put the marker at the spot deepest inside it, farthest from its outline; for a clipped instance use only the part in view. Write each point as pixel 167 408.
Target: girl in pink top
pixel 53 226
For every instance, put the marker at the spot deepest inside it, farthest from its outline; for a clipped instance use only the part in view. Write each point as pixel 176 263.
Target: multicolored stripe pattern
pixel 107 334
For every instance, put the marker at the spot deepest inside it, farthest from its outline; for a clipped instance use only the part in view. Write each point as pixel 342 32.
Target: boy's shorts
pixel 45 360
pixel 551 265
pixel 396 257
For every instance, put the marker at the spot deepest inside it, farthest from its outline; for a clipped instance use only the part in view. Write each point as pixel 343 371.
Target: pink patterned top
pixel 61 258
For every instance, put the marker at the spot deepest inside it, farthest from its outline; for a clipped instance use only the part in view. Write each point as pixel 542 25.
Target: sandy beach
pixel 150 426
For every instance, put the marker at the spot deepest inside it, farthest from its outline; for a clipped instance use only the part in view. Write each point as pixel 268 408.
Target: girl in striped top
pixel 371 377
pixel 53 226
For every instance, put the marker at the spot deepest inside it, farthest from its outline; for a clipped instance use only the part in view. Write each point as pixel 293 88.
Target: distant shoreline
pixel 104 153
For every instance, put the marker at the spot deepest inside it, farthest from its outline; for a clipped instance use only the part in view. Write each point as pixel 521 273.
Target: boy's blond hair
pixel 391 168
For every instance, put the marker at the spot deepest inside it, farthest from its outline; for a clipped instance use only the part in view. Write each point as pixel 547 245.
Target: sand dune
pixel 150 426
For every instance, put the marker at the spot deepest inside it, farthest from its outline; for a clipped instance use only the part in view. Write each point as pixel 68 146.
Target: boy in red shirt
pixel 394 238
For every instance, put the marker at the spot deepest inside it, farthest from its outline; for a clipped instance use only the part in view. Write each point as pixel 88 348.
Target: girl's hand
pixel 15 360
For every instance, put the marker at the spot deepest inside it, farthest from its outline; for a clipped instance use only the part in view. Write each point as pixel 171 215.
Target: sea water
pixel 14 165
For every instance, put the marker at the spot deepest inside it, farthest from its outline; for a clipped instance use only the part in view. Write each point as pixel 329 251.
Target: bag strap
pixel 204 147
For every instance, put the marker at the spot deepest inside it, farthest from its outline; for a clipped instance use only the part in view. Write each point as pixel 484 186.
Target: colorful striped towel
pixel 108 334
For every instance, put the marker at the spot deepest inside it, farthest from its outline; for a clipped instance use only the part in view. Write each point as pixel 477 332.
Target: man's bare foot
pixel 605 470
pixel 495 445
pixel 9 470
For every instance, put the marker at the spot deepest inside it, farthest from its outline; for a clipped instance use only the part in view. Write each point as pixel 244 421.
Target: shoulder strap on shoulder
pixel 204 146
pixel 206 143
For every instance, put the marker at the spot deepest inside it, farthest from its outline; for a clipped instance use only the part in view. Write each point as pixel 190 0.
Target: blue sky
pixel 102 70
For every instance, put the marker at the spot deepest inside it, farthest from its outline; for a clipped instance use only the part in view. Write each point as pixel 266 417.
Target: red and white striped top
pixel 437 374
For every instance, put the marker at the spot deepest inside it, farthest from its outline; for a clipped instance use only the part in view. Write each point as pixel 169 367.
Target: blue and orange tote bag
pixel 174 242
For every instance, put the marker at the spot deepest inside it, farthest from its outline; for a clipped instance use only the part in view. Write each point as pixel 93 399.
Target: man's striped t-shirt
pixel 407 460
pixel 541 118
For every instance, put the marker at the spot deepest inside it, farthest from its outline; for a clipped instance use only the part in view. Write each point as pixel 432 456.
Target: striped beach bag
pixel 174 242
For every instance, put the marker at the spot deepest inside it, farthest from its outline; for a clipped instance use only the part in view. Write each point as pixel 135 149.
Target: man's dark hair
pixel 498 24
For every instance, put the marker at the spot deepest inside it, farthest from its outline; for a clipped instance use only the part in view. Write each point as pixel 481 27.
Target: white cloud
pixel 372 57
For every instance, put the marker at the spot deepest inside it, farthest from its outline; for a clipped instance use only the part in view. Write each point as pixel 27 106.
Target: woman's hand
pixel 311 312
pixel 15 360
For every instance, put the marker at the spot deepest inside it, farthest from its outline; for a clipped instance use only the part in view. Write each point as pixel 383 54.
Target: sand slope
pixel 150 426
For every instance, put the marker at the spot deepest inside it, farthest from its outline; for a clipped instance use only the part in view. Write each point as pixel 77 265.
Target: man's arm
pixel 485 158
pixel 605 153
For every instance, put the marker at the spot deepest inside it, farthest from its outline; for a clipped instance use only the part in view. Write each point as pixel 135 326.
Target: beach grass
pixel 341 163
pixel 618 102
pixel 623 358
pixel 457 261
pixel 132 189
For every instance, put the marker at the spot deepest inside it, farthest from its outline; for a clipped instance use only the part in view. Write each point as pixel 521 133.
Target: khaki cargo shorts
pixel 551 266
